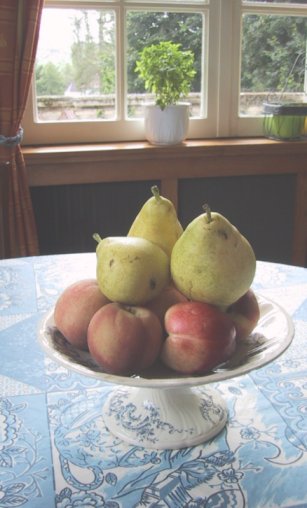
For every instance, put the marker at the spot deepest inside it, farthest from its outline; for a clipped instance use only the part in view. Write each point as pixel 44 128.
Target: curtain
pixel 19 29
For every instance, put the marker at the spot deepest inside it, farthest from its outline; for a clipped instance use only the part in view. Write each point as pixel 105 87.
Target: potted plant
pixel 167 72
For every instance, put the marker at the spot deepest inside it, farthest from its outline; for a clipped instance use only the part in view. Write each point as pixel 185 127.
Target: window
pixel 85 87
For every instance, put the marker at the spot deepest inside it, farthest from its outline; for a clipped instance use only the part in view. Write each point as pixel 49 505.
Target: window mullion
pixel 120 61
pixel 235 66
pixel 228 64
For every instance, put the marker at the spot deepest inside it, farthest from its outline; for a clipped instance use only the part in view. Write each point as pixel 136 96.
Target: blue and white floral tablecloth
pixel 55 450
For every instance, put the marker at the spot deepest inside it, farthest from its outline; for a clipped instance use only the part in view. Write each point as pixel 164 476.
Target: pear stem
pixel 207 210
pixel 155 191
pixel 97 237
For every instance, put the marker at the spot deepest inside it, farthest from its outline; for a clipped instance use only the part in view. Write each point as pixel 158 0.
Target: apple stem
pixel 207 210
pixel 97 237
pixel 155 191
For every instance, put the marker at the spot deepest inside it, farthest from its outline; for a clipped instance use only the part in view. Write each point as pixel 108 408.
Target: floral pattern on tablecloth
pixel 103 467
pixel 26 473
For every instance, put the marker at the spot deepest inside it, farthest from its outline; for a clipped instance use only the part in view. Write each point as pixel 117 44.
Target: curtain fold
pixel 20 22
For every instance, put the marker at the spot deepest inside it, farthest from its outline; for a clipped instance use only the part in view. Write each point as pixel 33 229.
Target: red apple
pixel 124 339
pixel 168 297
pixel 75 308
pixel 245 314
pixel 200 337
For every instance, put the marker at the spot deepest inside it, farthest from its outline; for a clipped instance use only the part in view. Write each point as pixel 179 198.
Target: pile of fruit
pixel 164 294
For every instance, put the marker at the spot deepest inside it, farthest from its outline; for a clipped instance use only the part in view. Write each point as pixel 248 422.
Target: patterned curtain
pixel 19 28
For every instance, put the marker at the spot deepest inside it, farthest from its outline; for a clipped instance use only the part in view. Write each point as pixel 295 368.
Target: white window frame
pixel 221 80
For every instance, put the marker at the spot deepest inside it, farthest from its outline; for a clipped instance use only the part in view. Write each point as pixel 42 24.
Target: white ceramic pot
pixel 168 126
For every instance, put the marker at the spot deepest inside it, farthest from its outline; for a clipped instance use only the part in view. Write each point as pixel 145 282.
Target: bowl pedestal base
pixel 165 418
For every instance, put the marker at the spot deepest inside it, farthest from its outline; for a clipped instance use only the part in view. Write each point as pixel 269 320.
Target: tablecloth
pixel 56 452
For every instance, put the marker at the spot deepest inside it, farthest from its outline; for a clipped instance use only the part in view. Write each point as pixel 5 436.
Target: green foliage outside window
pixel 273 53
pixel 52 79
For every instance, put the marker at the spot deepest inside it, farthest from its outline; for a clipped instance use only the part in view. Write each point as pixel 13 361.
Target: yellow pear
pixel 212 262
pixel 131 271
pixel 157 221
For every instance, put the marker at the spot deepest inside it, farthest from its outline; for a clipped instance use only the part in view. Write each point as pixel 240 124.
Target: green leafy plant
pixel 167 71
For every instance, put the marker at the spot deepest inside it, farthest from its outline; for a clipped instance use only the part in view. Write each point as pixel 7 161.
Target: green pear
pixel 157 221
pixel 131 271
pixel 212 262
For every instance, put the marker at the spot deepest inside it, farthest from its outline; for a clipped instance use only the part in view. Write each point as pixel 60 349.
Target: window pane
pixel 146 28
pixel 278 69
pixel 75 65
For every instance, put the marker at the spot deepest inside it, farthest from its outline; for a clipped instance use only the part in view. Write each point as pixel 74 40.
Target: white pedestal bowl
pixel 160 409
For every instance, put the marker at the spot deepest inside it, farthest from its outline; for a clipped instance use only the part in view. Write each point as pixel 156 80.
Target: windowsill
pixel 128 161
pixel 142 146
pixel 142 150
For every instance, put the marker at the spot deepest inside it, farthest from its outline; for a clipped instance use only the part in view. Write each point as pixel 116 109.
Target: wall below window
pixel 68 215
pixel 261 208
pixel 260 185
